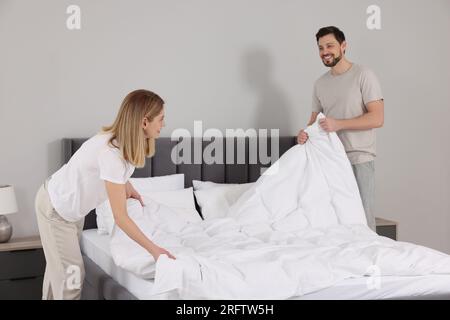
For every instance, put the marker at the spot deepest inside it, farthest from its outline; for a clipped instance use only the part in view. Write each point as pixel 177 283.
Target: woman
pixel 98 171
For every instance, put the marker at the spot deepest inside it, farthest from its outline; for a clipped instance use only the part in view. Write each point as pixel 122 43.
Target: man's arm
pixel 313 118
pixel 302 135
pixel 374 118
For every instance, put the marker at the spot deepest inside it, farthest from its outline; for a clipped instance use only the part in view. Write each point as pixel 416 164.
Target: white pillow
pixel 215 199
pixel 180 201
pixel 202 185
pixel 162 183
pixel 143 186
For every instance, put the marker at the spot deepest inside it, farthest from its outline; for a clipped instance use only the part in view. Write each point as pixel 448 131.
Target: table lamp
pixel 8 205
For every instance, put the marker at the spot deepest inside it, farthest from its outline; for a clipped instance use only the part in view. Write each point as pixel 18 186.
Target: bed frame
pixel 98 285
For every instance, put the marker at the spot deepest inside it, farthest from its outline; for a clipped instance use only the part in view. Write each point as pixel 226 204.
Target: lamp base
pixel 5 229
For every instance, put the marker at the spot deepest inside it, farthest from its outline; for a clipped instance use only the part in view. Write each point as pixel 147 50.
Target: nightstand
pixel 386 228
pixel 22 266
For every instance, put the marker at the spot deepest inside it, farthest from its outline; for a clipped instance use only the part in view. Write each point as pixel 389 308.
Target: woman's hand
pixel 133 194
pixel 157 251
pixel 117 194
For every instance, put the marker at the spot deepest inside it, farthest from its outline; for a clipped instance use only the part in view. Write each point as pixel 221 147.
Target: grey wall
pixel 231 64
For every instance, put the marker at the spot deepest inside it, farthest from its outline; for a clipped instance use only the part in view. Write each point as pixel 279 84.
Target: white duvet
pixel 299 229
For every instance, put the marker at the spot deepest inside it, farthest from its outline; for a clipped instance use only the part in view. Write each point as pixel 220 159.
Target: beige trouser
pixel 64 273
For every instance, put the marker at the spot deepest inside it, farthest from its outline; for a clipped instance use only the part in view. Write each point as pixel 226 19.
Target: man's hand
pixel 302 137
pixel 133 194
pixel 329 124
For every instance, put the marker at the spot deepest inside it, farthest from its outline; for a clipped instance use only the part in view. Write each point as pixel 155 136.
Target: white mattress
pixel 96 247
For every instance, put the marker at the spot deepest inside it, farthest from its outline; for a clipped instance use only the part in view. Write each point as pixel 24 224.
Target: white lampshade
pixel 8 203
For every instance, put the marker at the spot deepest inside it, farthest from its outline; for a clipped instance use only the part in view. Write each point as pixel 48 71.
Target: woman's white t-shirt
pixel 79 186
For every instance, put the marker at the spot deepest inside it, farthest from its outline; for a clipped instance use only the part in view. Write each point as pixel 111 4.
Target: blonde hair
pixel 127 132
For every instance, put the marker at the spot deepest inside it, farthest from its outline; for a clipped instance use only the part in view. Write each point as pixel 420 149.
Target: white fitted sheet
pixel 96 247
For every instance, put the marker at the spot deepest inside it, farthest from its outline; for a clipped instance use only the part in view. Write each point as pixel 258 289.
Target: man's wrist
pixel 340 124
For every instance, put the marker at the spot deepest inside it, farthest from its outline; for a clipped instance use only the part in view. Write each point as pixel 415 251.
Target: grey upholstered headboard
pixel 161 164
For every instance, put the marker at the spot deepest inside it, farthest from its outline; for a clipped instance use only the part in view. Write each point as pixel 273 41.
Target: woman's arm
pixel 117 198
pixel 132 193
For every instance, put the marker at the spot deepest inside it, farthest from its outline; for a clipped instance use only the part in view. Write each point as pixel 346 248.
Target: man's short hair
pixel 338 34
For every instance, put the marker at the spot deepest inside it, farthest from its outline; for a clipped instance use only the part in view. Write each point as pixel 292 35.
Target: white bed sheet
pixel 96 247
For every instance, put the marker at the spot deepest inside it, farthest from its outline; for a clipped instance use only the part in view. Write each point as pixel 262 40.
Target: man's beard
pixel 334 62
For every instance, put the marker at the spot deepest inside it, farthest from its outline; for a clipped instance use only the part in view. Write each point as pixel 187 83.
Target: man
pixel 350 97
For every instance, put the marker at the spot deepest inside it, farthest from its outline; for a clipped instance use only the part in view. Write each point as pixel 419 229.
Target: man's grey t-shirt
pixel 345 96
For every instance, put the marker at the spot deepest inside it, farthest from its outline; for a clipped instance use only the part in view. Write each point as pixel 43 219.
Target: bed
pixel 104 280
